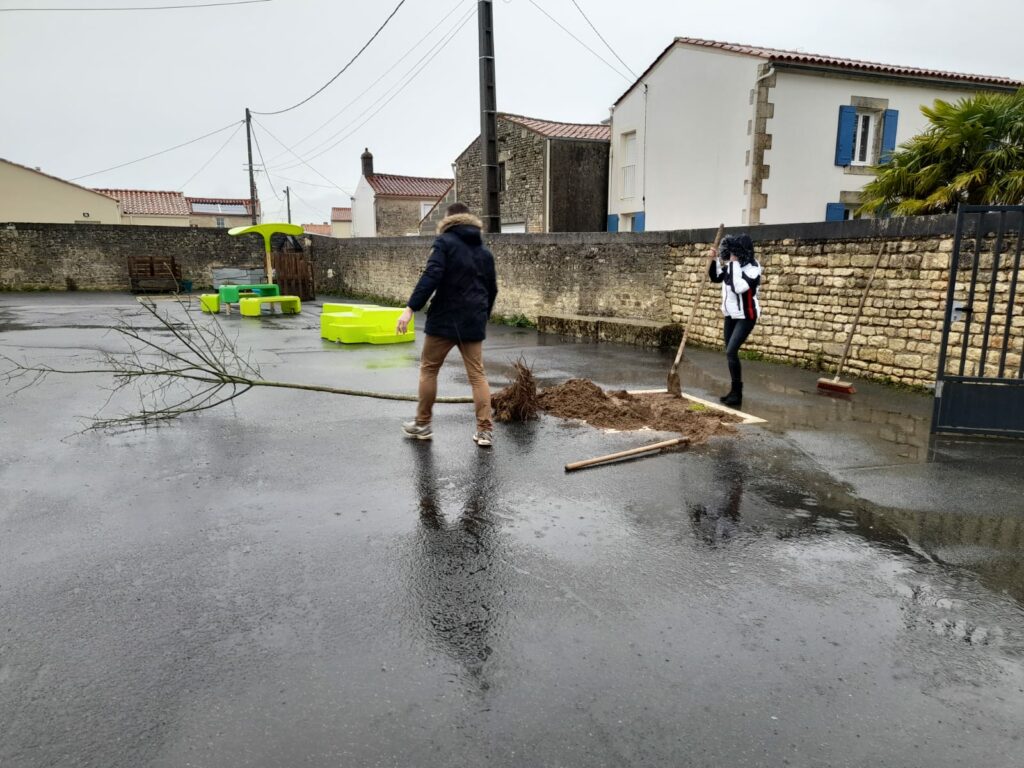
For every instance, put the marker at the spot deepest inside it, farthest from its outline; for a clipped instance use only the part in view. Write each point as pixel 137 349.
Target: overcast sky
pixel 80 92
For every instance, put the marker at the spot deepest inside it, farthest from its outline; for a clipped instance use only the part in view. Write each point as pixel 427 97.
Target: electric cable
pixel 303 183
pixel 401 87
pixel 314 170
pixel 214 156
pixel 342 70
pixel 143 7
pixel 570 34
pixel 606 43
pixel 412 73
pixel 387 72
pixel 155 154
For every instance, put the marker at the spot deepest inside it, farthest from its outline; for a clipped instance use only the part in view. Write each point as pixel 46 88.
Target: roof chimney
pixel 367 159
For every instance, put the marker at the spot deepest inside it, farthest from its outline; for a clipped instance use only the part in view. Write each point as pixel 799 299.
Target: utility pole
pixel 488 119
pixel 288 197
pixel 252 177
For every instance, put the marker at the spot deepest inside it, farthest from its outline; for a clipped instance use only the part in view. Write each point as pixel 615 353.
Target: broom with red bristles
pixel 845 387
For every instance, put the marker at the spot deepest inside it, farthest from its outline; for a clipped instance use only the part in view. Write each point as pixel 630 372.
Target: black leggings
pixel 736 332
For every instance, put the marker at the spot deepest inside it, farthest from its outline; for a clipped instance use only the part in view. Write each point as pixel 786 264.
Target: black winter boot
pixel 735 398
pixel 731 393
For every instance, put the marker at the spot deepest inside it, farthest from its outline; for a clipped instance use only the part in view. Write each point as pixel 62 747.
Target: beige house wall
pixel 341 229
pixel 155 221
pixel 26 196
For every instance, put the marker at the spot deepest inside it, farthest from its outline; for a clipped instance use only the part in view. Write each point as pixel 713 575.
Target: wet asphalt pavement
pixel 288 582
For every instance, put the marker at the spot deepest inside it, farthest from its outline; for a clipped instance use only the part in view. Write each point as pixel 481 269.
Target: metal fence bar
pixel 954 264
pixel 1009 302
pixel 990 310
pixel 969 306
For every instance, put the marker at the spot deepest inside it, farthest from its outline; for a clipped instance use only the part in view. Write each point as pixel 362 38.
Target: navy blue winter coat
pixel 460 276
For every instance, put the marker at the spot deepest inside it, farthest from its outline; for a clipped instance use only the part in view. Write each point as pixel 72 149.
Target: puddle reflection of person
pixel 722 522
pixel 457 576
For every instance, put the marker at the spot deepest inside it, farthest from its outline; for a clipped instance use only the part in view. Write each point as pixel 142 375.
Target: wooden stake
pixel 624 454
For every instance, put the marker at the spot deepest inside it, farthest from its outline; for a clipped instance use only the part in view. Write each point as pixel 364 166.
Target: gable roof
pixel 341 214
pixel 783 56
pixel 389 185
pixel 55 178
pixel 317 229
pixel 151 203
pixel 556 130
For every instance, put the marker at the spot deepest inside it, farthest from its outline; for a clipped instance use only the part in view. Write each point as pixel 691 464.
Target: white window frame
pixel 859 138
pixel 629 162
pixel 220 222
pixel 425 209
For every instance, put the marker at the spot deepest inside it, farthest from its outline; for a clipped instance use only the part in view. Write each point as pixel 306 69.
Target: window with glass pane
pixel 864 139
pixel 629 165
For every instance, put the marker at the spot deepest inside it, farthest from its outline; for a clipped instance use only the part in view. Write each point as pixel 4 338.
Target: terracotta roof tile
pixel 784 56
pixel 341 214
pixel 554 130
pixel 317 229
pixel 418 187
pixel 145 202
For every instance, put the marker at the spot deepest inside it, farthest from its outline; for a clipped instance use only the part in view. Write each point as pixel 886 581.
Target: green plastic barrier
pixel 251 306
pixel 229 294
pixel 209 303
pixel 363 324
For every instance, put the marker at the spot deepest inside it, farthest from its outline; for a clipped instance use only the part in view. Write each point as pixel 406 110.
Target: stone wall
pixel 397 216
pixel 815 277
pixel 579 185
pixel 95 256
pixel 522 152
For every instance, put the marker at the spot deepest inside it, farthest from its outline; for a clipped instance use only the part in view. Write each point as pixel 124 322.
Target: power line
pixel 411 73
pixel 314 170
pixel 214 156
pixel 410 79
pixel 143 7
pixel 607 44
pixel 155 154
pixel 303 183
pixel 342 70
pixel 387 72
pixel 570 34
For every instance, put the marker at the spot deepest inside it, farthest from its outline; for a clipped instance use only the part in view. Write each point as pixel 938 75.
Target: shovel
pixel 674 387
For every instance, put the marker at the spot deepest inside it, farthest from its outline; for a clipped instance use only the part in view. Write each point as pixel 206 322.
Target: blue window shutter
pixel 889 123
pixel 639 221
pixel 613 223
pixel 844 136
pixel 835 212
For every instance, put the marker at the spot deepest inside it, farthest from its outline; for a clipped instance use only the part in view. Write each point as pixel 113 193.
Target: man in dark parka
pixel 461 278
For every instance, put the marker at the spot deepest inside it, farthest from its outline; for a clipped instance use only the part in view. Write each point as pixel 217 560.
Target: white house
pixel 386 205
pixel 718 132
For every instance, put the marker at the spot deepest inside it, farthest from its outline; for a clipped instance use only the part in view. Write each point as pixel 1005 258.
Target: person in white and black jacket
pixel 735 267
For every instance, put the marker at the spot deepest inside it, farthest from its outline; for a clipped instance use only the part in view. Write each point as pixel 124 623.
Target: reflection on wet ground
pixel 289 582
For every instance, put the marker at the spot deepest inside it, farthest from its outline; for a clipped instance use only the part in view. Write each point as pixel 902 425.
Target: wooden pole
pixel 625 454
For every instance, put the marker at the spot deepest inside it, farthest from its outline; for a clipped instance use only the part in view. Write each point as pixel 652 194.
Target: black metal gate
pixel 979 388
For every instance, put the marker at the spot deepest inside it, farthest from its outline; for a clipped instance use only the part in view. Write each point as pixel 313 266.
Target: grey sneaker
pixel 483 438
pixel 419 431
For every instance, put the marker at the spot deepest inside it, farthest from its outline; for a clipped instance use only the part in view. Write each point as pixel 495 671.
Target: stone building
pixel 791 136
pixel 553 177
pixel 386 205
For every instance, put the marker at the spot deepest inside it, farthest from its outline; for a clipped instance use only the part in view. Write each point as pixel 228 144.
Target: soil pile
pixel 583 399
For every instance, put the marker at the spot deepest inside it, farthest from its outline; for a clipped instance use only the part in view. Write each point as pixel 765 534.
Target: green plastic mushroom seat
pixel 363 324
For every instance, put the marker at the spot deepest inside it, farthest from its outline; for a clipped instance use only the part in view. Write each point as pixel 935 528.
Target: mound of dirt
pixel 583 399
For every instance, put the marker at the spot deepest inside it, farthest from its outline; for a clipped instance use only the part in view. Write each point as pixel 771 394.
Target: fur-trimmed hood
pixel 459 220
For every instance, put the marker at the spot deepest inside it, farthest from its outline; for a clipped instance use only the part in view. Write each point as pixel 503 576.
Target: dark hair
pixel 740 246
pixel 456 208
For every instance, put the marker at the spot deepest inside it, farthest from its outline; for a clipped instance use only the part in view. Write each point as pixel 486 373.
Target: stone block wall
pixel 523 153
pixel 397 216
pixel 815 275
pixel 95 256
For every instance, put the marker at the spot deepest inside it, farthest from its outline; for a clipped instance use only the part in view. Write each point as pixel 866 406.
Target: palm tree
pixel 972 152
